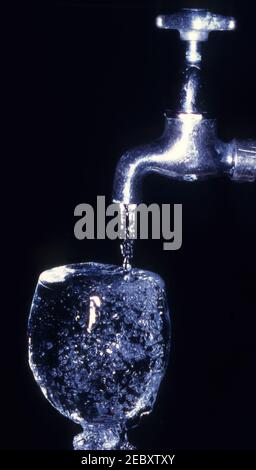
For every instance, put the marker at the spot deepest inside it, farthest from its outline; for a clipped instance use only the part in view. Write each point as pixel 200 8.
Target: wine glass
pixel 98 347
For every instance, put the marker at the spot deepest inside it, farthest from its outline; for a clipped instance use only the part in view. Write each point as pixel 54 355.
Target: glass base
pixel 102 437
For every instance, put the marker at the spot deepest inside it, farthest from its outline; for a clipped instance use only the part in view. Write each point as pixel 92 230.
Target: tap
pixel 189 148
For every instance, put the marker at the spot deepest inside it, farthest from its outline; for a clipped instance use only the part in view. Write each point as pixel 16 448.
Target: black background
pixel 92 79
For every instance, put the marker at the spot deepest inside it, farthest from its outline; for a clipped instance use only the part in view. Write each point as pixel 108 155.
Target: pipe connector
pixel 239 160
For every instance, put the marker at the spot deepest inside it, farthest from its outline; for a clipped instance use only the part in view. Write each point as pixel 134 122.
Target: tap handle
pixel 195 24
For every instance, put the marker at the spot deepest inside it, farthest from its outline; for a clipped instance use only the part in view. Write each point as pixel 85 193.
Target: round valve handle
pixel 195 24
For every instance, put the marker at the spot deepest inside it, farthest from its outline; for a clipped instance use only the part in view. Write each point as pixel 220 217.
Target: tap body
pixel 189 148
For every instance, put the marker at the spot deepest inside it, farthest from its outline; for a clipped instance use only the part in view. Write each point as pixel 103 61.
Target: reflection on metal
pixel 189 148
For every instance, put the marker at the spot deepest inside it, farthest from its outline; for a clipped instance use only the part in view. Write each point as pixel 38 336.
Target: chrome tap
pixel 189 148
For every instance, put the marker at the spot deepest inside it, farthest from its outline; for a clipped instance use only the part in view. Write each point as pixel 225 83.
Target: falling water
pixel 127 243
pixel 127 249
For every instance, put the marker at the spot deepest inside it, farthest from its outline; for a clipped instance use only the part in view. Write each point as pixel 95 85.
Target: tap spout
pixel 131 168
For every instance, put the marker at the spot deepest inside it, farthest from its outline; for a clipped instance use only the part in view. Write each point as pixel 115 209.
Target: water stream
pixel 128 242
